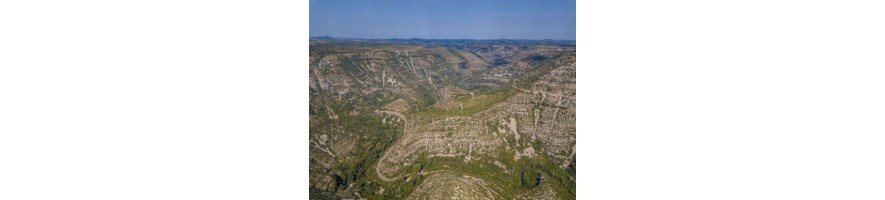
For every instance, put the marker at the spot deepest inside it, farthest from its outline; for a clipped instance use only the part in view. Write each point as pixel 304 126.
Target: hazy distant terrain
pixel 441 119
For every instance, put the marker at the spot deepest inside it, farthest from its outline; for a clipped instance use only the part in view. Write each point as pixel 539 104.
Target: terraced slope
pixel 463 121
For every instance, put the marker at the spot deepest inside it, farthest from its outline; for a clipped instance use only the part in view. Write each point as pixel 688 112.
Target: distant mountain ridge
pixel 449 42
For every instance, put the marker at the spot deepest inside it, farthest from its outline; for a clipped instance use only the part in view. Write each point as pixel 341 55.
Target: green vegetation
pixel 375 136
pixel 470 104
pixel 354 137
pixel 526 173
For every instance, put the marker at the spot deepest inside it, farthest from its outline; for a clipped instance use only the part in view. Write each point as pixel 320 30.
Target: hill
pixel 426 119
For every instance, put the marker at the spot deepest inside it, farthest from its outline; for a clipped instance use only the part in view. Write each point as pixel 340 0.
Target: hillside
pixel 431 119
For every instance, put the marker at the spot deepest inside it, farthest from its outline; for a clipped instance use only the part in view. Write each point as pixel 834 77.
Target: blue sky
pixel 444 19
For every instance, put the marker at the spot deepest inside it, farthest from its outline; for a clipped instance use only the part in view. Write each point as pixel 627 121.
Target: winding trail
pixel 488 191
pixel 405 128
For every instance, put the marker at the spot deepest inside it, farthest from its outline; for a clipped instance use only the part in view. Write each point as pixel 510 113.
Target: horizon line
pixel 394 38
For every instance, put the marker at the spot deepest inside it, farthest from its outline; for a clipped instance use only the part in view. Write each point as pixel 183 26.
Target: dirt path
pixel 405 127
pixel 378 164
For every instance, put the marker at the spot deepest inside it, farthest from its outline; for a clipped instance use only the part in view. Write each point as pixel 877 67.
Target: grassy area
pixel 471 104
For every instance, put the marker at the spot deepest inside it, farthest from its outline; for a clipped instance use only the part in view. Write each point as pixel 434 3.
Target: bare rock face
pixel 477 121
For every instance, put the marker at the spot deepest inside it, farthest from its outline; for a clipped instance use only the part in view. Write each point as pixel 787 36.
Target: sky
pixel 443 19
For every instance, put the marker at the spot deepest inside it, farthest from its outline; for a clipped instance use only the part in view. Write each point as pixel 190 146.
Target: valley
pixel 440 119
